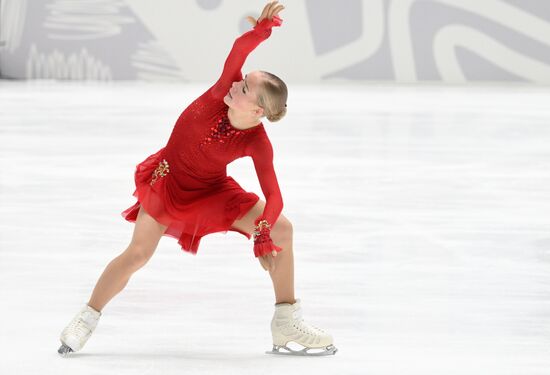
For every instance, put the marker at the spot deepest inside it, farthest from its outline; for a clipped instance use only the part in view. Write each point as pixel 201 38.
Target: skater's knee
pixel 282 230
pixel 137 256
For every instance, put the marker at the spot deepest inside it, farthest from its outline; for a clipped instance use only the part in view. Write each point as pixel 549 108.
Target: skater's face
pixel 243 94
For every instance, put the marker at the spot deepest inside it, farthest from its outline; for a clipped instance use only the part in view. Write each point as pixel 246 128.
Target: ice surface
pixel 421 222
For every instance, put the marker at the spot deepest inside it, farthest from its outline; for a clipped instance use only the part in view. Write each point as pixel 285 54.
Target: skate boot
pixel 79 330
pixel 288 326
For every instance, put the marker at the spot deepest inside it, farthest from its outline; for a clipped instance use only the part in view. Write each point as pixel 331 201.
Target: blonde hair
pixel 272 97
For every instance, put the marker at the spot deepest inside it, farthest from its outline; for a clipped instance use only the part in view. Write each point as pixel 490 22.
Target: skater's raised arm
pixel 262 156
pixel 245 44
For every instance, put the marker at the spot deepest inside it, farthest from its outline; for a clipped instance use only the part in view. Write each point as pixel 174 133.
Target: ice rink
pixel 421 222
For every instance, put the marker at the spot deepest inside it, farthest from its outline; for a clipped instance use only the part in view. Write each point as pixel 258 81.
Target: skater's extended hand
pixel 271 9
pixel 268 261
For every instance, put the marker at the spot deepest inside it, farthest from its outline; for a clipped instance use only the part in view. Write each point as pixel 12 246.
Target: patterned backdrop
pixel 377 40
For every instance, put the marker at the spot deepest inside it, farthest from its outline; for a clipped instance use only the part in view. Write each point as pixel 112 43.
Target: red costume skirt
pixel 189 211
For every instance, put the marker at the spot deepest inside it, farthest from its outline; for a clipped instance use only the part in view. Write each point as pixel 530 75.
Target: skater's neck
pixel 242 120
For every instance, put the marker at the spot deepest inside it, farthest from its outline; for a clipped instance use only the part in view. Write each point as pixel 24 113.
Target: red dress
pixel 185 185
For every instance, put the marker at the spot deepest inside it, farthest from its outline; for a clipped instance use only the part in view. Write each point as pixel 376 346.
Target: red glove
pixel 263 244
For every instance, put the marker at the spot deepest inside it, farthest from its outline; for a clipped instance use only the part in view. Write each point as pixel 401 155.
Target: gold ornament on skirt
pixel 161 171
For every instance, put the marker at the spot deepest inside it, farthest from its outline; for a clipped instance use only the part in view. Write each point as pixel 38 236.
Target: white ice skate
pixel 288 326
pixel 79 330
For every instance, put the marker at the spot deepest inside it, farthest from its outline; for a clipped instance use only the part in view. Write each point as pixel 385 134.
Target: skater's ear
pixel 259 111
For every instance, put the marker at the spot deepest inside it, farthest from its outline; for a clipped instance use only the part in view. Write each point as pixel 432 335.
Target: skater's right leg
pixel 147 234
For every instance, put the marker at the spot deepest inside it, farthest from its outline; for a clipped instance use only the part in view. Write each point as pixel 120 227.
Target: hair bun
pixel 277 116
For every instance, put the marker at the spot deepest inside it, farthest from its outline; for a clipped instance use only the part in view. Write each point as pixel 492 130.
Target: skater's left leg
pixel 283 274
pixel 281 234
pixel 287 324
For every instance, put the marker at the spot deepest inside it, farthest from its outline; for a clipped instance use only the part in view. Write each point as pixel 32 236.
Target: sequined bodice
pixel 203 141
pixel 222 130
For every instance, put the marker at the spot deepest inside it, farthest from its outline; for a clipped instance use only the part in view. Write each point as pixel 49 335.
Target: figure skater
pixel 183 191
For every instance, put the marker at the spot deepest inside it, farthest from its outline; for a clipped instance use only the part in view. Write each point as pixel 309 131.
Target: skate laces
pixel 79 326
pixel 304 327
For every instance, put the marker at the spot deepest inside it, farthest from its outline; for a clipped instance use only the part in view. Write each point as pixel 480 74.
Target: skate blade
pixel 329 350
pixel 64 350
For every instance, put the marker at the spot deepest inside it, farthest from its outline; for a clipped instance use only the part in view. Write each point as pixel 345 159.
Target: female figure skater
pixel 183 191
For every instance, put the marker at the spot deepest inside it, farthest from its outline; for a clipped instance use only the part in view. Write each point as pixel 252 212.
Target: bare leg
pixel 147 234
pixel 283 275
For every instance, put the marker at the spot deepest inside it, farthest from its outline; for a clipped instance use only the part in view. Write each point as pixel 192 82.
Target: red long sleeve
pixel 261 152
pixel 242 47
